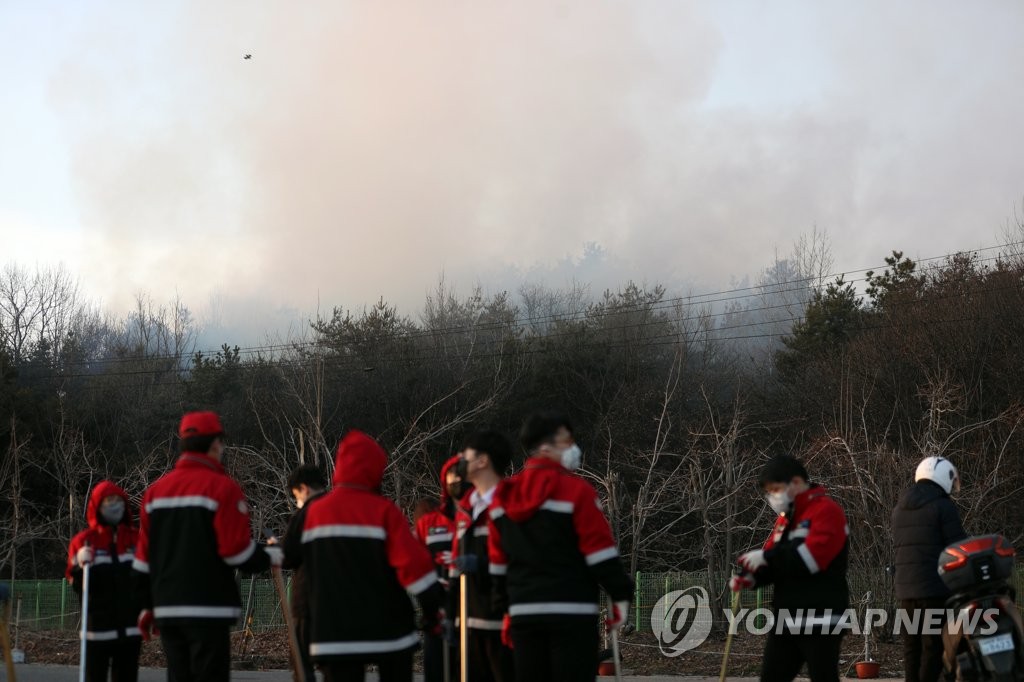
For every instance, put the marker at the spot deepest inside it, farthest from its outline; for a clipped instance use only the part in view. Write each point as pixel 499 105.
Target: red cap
pixel 200 424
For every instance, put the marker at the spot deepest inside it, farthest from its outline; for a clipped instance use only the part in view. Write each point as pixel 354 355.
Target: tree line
pixel 677 401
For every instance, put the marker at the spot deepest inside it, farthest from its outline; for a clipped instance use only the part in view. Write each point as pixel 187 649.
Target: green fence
pixel 53 604
pixel 871 588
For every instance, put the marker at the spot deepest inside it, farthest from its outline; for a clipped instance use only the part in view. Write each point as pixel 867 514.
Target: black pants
pixel 119 657
pixel 390 667
pixel 489 659
pixel 922 654
pixel 556 651
pixel 197 653
pixel 786 653
pixel 302 635
pixel 433 659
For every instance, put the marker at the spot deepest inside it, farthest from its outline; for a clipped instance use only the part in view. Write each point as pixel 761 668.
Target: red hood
pixel 105 489
pixel 445 497
pixel 360 462
pixel 521 496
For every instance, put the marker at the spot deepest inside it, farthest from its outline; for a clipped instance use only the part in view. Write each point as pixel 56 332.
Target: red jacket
pixel 551 541
pixel 436 529
pixel 362 562
pixel 806 555
pixel 112 609
pixel 194 533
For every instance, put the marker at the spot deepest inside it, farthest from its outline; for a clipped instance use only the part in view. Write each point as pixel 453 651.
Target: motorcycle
pixel 991 646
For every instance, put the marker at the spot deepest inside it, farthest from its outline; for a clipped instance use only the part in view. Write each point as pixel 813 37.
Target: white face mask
pixel 780 501
pixel 112 513
pixel 571 457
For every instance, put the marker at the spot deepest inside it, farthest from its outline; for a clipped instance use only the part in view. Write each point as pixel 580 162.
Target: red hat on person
pixel 198 424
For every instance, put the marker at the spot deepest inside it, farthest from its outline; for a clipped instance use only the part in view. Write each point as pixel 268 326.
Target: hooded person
pixel 362 564
pixel 924 522
pixel 108 546
pixel 436 530
pixel 551 550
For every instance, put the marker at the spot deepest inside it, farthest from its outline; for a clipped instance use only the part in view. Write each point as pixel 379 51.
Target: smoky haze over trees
pixel 677 401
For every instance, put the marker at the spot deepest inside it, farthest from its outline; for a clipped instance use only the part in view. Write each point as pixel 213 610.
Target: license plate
pixel 995 645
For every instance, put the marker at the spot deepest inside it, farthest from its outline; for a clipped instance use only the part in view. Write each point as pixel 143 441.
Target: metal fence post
pixel 636 600
pixel 63 601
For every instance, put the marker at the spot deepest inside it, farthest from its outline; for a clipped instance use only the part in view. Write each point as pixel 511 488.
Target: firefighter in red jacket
pixel 194 534
pixel 108 546
pixel 436 530
pixel 805 558
pixel 485 459
pixel 362 563
pixel 551 549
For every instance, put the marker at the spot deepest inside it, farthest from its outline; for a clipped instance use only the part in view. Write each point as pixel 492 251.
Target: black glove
pixel 433 622
pixel 467 564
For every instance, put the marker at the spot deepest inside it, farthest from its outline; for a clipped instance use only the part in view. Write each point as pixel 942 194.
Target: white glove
pixel 84 556
pixel 752 561
pixel 276 555
pixel 617 618
pixel 740 582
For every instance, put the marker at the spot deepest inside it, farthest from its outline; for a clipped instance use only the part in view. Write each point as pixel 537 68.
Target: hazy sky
pixel 369 146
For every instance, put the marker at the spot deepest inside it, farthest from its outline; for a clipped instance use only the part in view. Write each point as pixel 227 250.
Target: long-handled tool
pixel 616 658
pixel 85 619
pixel 446 649
pixel 463 631
pixel 5 636
pixel 728 636
pixel 298 670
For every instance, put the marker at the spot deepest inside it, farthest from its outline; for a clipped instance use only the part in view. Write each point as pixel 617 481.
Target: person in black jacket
pixel 307 484
pixel 484 461
pixel 924 522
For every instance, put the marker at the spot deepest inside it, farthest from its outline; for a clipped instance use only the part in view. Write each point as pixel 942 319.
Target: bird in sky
pixel 248 56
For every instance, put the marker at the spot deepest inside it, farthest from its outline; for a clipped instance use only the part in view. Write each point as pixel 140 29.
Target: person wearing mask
pixel 194 534
pixel 551 550
pixel 362 564
pixel 805 558
pixel 436 530
pixel 306 484
pixel 924 522
pixel 107 546
pixel 485 460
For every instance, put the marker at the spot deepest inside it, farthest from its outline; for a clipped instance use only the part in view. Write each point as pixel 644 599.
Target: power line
pixel 584 316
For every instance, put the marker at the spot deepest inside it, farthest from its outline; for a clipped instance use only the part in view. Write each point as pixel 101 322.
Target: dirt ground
pixel 640 654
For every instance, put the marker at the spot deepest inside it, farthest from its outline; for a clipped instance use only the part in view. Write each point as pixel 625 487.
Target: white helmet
pixel 938 470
